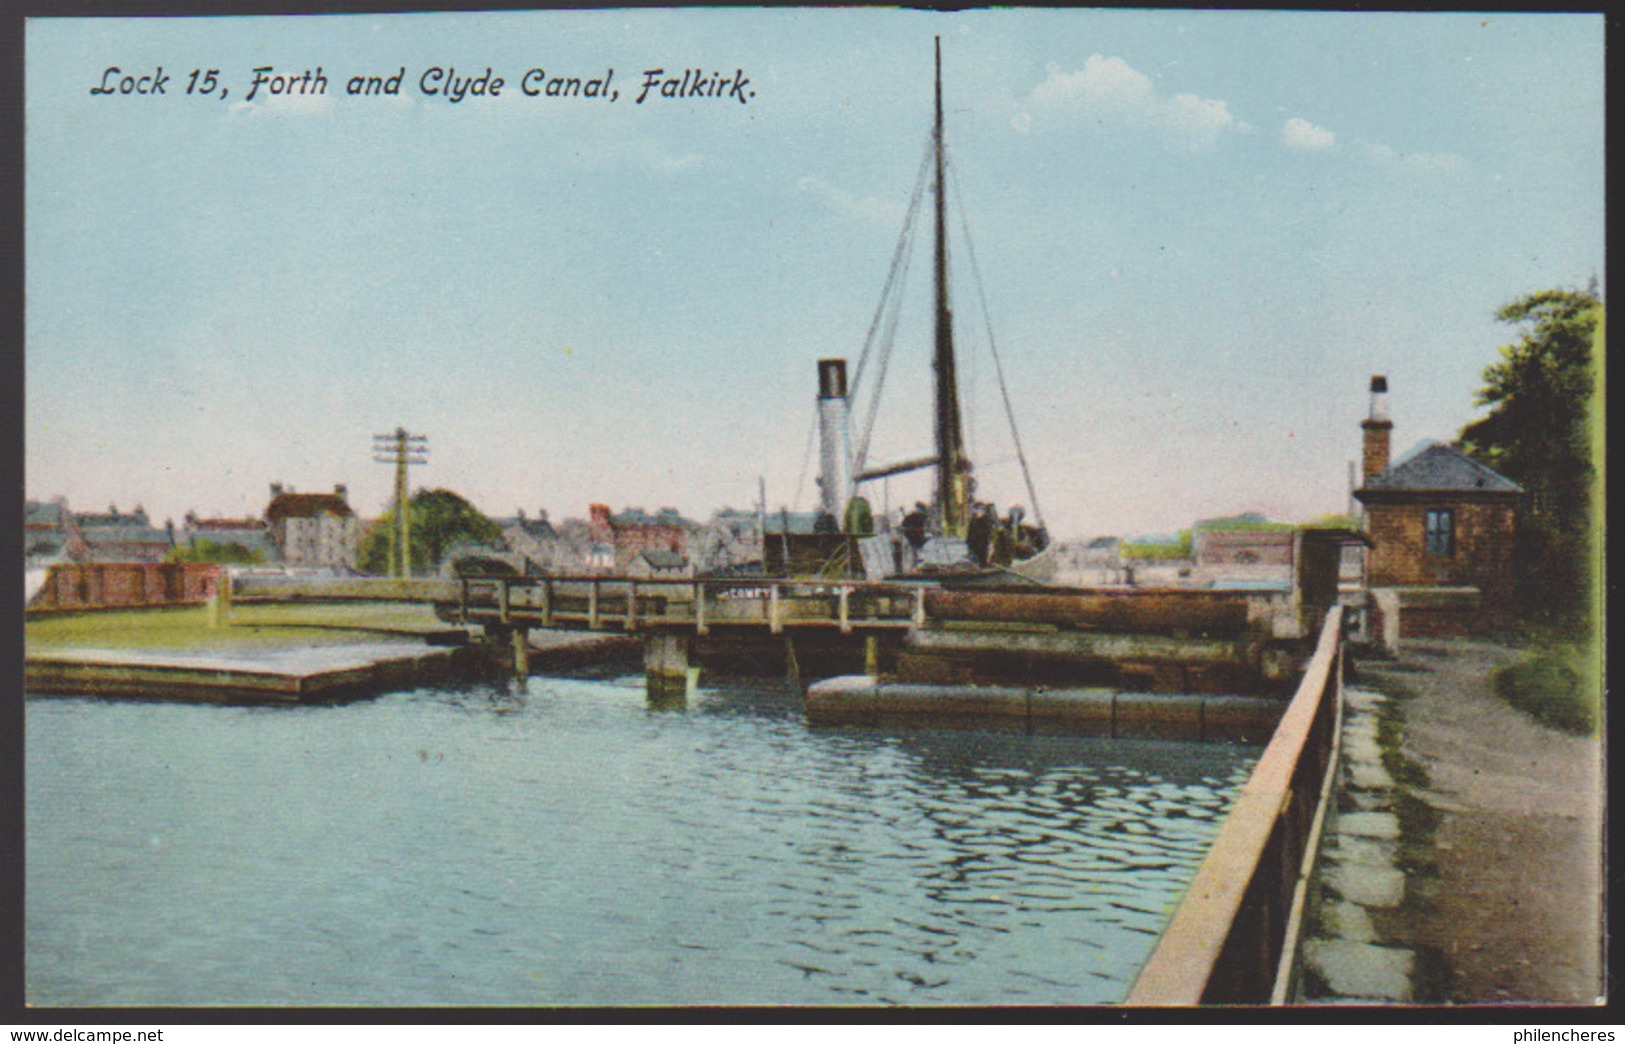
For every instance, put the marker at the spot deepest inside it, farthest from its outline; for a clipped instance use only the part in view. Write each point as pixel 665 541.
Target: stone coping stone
pixel 861 699
pixel 1363 699
pixel 1364 775
pixel 1360 970
pixel 1362 851
pixel 1342 919
pixel 1381 825
pixel 1369 800
pixel 1370 886
pixel 1092 708
pixel 1159 716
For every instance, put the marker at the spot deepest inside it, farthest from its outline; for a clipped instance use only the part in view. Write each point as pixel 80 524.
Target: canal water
pixel 565 844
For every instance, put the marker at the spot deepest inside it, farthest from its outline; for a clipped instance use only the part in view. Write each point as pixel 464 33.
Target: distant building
pixel 634 531
pixel 537 541
pixel 1241 540
pixel 730 542
pixel 122 536
pixel 1443 535
pixel 313 529
pixel 50 534
pixel 659 565
pixel 253 535
pixel 1104 552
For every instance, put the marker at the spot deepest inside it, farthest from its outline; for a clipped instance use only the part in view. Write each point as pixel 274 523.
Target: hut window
pixel 1439 533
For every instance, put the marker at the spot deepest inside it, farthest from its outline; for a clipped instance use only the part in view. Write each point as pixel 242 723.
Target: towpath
pixel 1515 907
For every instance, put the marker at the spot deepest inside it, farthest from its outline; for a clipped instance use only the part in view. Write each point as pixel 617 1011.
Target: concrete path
pixel 1494 829
pixel 1518 908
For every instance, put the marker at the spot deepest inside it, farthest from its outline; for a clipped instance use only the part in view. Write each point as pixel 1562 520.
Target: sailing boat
pixel 955 536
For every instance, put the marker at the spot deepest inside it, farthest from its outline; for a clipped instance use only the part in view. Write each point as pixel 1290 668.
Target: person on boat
pixel 979 533
pixel 1004 542
pixel 913 527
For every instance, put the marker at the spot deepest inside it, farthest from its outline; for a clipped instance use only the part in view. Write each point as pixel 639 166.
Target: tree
pixel 223 552
pixel 1538 433
pixel 439 520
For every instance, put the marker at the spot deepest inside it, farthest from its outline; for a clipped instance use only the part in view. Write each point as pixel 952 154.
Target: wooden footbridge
pixel 1168 639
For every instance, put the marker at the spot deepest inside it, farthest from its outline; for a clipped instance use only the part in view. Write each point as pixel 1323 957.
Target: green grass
pixel 249 626
pixel 1554 688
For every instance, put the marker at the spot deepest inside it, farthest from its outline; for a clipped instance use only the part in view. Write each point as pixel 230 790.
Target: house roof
pixel 538 528
pixel 222 525
pixel 306 505
pixel 664 559
pixel 43 513
pixel 123 533
pixel 113 518
pixel 1441 468
pixel 639 517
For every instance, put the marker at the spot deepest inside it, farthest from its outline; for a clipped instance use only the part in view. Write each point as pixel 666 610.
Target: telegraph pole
pixel 401 450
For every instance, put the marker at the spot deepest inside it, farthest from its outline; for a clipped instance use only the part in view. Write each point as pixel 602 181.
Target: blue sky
pixel 1199 233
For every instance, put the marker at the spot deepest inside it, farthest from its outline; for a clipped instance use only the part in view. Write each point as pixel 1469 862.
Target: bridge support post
pixel 665 668
pixel 792 666
pixel 521 652
pixel 220 601
pixel 871 655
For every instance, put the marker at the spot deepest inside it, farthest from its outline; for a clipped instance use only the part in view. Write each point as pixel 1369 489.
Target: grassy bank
pixel 1556 688
pixel 249 626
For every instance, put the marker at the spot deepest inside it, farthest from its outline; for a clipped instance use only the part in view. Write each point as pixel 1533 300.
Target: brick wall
pixel 124 585
pixel 1481 557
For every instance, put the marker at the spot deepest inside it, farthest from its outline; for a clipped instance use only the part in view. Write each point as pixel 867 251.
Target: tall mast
pixel 953 497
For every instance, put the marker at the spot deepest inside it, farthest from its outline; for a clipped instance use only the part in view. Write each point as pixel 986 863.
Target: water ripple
pixel 565 845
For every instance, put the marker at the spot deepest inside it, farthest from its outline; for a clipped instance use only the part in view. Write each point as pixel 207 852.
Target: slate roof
pixel 639 517
pixel 664 559
pixel 1441 468
pixel 221 525
pixel 307 505
pixel 123 533
pixel 43 513
pixel 537 528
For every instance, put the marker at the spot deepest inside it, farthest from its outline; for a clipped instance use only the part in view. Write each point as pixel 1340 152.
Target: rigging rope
pixel 898 271
pixel 993 348
pixel 806 456
pixel 891 307
pixel 884 324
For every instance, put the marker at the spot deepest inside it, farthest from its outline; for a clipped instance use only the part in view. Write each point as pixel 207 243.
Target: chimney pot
pixel 1378 431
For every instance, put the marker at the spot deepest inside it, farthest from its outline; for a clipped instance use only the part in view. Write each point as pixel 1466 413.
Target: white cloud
pixel 1110 92
pixel 888 213
pixel 1442 162
pixel 1301 134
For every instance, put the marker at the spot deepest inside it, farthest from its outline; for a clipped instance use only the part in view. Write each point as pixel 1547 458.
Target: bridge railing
pixel 1234 937
pixel 703 604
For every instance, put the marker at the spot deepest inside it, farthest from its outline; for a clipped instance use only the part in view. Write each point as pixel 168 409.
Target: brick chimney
pixel 598 519
pixel 1378 428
